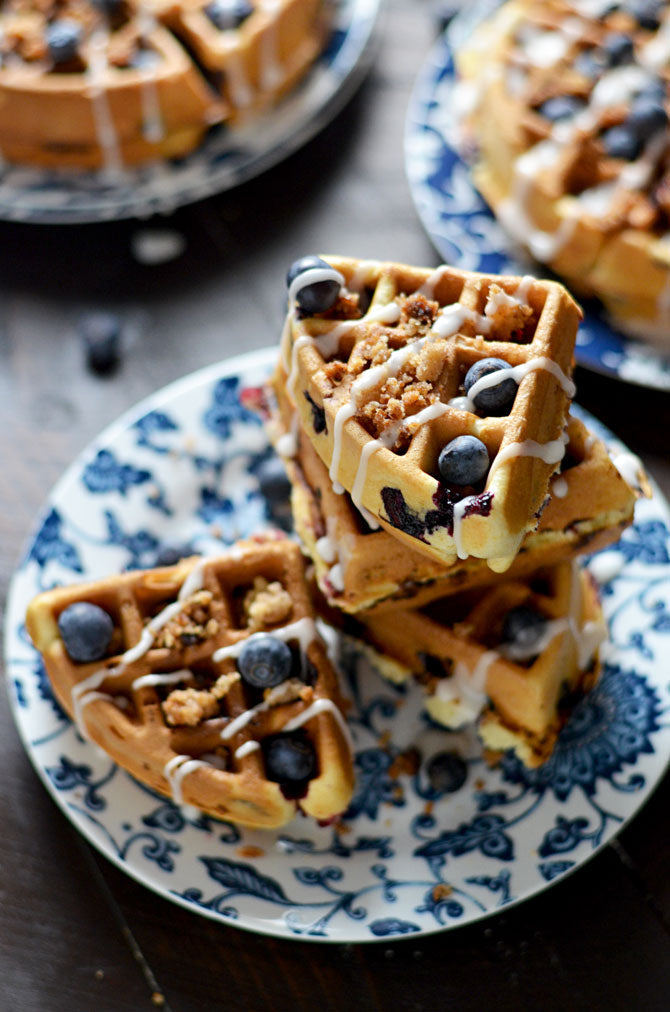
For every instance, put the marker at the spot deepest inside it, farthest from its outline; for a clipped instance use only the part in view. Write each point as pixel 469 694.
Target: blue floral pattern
pixel 462 227
pixel 406 859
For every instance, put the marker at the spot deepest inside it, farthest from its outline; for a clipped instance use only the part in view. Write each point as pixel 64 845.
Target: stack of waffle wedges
pixel 167 703
pixel 424 574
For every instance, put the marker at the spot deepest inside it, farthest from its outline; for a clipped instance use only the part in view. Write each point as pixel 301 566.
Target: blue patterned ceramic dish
pixel 183 465
pixel 461 225
pixel 226 158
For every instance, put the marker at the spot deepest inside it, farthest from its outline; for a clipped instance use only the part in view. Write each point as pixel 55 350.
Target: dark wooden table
pixel 75 933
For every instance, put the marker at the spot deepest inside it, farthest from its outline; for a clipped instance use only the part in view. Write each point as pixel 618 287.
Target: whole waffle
pixel 453 647
pixel 359 568
pixel 166 703
pixel 147 79
pixel 552 183
pixel 372 380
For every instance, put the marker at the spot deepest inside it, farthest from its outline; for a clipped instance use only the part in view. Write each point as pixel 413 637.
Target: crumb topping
pixel 193 624
pixel 288 692
pixel 190 706
pixel 266 604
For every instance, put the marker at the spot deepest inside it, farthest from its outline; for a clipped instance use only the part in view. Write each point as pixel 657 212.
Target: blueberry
pixel 621 142
pixel 463 461
pixel 446 772
pixel 494 400
pixel 560 107
pixel 654 89
pixel 226 14
pixel 318 297
pixel 646 13
pixel 101 333
pixel 170 553
pixel 265 661
pixel 86 630
pixel 618 47
pixel 647 116
pixel 112 8
pixel 63 38
pixel 523 627
pixel 276 490
pixel 289 758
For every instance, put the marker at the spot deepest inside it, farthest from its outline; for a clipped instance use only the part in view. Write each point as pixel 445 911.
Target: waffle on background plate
pixel 382 372
pixel 564 115
pixel 166 701
pixel 103 84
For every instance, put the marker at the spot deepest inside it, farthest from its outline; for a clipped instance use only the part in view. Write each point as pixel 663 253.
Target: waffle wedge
pixel 518 694
pixel 564 114
pixel 167 703
pixel 377 381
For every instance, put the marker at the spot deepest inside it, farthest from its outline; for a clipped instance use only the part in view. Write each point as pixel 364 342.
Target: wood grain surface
pixel 76 934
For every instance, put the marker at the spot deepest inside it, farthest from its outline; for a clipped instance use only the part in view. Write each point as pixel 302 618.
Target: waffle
pixel 144 82
pixel 166 703
pixel 359 568
pixel 582 199
pixel 373 379
pixel 453 647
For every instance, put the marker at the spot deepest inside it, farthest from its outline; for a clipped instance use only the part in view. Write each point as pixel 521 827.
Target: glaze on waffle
pixel 568 151
pixel 453 647
pixel 167 703
pixel 358 568
pixel 142 79
pixel 377 382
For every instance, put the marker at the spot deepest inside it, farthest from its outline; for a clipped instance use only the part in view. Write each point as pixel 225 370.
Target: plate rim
pixel 246 361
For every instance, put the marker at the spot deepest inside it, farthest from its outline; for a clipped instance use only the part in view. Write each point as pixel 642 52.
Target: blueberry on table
pixel 619 48
pixel 523 628
pixel 446 772
pixel 86 630
pixel 561 107
pixel 171 552
pixel 319 296
pixel 227 14
pixel 63 38
pixel 463 461
pixel 289 758
pixel 647 116
pixel 265 661
pixel 496 399
pixel 622 142
pixel 101 333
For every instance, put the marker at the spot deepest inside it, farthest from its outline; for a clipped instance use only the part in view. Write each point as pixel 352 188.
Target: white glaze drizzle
pixel 246 749
pixel 176 769
pixel 629 467
pixel 313 276
pixel 96 77
pixel 516 373
pixel 559 488
pixel 466 689
pixel 156 678
pixel 550 452
pixel 303 630
pixel 153 127
pixel 317 707
pixel 607 566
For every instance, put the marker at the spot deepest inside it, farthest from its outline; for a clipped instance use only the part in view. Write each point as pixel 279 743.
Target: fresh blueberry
pixel 289 758
pixel 63 38
pixel 446 772
pixel 463 461
pixel 618 47
pixel 523 627
pixel 561 107
pixel 86 630
pixel 265 661
pixel 654 89
pixel 171 552
pixel 318 297
pixel 647 116
pixel 494 400
pixel 621 142
pixel 647 13
pixel 101 333
pixel 111 8
pixel 226 14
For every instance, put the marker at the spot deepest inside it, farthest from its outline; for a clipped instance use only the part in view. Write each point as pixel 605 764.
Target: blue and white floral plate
pixel 183 465
pixel 461 225
pixel 225 159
